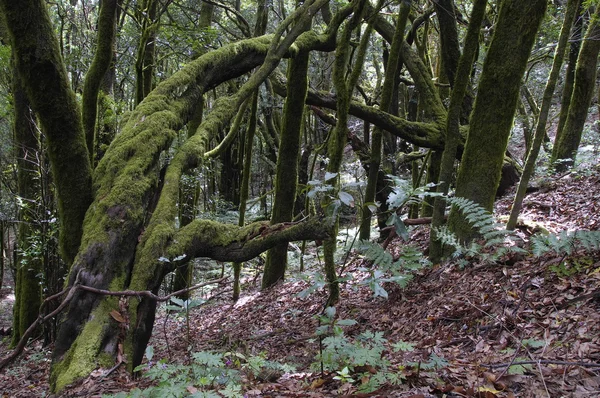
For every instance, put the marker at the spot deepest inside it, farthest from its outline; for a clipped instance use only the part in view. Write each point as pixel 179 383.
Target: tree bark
pixel 287 163
pixel 453 136
pixel 28 289
pixel 121 248
pixel 565 100
pixel 542 118
pixel 377 136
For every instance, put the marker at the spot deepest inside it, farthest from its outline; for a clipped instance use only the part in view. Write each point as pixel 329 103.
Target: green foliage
pixel 385 269
pixel 533 343
pixel 565 243
pixel 210 374
pixel 361 359
pixel 494 239
pixel 330 198
pixel 348 359
pixel 434 362
pixel 520 369
pixel 404 195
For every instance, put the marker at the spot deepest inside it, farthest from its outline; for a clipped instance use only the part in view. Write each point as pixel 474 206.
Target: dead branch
pixel 71 292
pixel 543 361
pixel 147 293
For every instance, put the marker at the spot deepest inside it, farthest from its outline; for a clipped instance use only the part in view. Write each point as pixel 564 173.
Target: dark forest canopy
pixel 308 79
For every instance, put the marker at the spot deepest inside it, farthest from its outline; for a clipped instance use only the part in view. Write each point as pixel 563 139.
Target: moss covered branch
pixel 100 65
pixel 231 243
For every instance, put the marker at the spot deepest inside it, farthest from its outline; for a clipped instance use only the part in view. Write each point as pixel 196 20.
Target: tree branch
pixel 71 293
pixel 228 242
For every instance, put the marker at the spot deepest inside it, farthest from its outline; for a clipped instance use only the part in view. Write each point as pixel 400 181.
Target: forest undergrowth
pixel 524 326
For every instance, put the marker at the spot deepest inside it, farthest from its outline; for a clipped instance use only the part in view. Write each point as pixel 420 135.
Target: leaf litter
pixel 522 328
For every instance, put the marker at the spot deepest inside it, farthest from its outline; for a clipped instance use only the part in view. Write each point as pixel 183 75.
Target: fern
pixel 492 233
pixel 385 269
pixel 480 219
pixel 565 242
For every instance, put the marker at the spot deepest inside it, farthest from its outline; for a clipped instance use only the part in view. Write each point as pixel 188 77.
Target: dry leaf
pixel 117 316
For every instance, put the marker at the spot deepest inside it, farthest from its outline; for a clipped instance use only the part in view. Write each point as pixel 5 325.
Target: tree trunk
pixel 565 148
pixel 565 100
pixel 105 38
pixel 390 82
pixel 28 288
pixel 540 129
pixel 121 248
pixel 453 136
pixel 146 53
pixel 495 106
pixel 44 77
pixel 287 163
pixel 184 275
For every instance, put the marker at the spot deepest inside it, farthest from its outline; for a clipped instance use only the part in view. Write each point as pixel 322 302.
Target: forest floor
pixel 524 327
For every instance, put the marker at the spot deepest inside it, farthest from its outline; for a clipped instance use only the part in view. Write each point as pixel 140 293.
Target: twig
pixel 594 294
pixel 543 380
pixel 147 293
pixel 40 319
pixel 543 361
pixel 112 369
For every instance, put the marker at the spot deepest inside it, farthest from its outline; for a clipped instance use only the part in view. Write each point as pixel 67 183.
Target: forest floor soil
pixel 539 314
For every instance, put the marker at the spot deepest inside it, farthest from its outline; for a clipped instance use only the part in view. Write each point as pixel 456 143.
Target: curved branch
pixel 427 135
pixel 231 243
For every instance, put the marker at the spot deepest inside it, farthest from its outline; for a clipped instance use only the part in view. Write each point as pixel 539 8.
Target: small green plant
pixel 383 268
pixel 209 375
pixel 494 240
pixel 360 359
pixel 565 242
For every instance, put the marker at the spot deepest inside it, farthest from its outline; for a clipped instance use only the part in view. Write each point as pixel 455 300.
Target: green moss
pixel 84 356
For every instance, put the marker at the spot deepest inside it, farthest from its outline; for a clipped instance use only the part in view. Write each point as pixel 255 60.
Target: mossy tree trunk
pixel 122 248
pixel 29 267
pixel 495 106
pixel 286 170
pixel 259 30
pixel 565 148
pixel 190 195
pixel 105 38
pixel 44 78
pixel 337 140
pixel 149 18
pixel 542 118
pixel 394 62
pixel 450 56
pixel 287 163
pixel 245 187
pixel 453 136
pixel 569 78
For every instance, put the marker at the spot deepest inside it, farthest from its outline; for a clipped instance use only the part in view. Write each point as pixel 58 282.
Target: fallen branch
pixel 543 361
pixel 71 292
pixel 594 294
